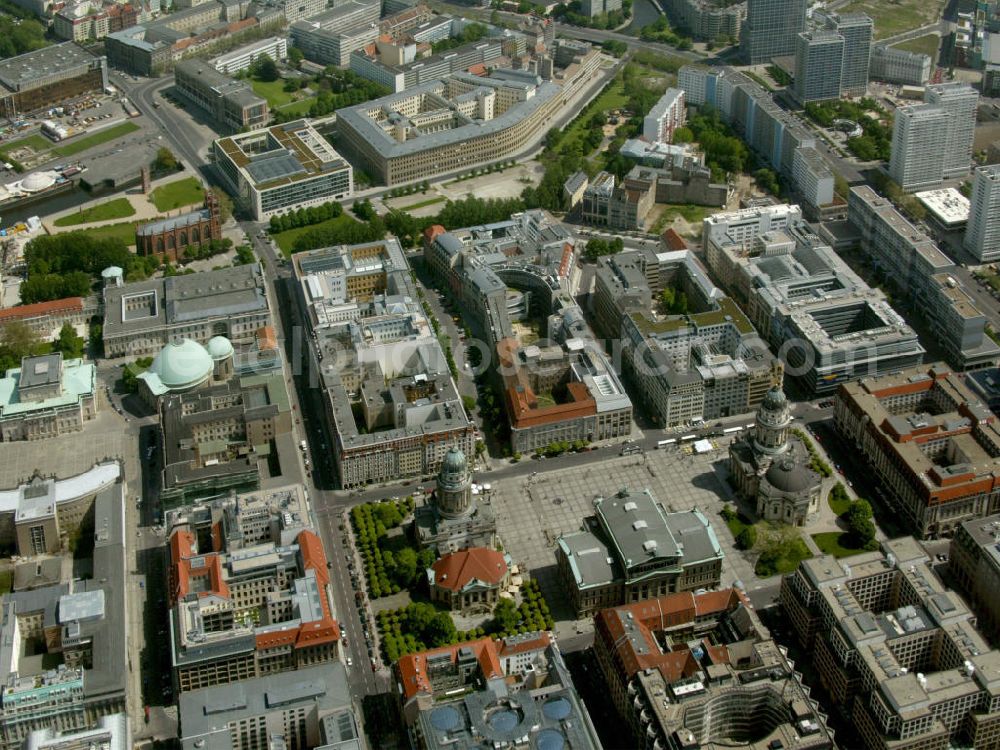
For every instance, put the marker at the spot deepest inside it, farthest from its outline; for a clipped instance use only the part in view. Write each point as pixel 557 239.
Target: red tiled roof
pixel 520 646
pixel 20 312
pixel 183 569
pixel 455 570
pixel 266 338
pixel 674 241
pixel 412 668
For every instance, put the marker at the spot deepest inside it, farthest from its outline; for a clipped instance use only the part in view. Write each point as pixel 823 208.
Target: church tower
pixel 454 485
pixel 773 419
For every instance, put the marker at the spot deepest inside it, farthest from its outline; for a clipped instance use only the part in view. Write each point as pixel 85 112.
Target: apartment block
pixel 857 30
pixel 242 58
pixel 699 670
pixel 961 101
pixel 396 66
pixel 982 234
pixel 919 268
pixel 898 653
pixel 706 20
pixel 330 37
pixel 632 550
pixel 668 114
pixel 930 443
pixel 841 330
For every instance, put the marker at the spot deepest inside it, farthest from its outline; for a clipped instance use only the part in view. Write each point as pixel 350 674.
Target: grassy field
pixel 125 231
pixel 287 238
pixel 96 139
pixel 838 506
pixel 893 17
pixel 273 91
pixel 927 45
pixel 119 208
pixel 300 107
pixel 6 578
pixel 177 194
pixel 992 279
pixel 423 204
pixel 836 543
pixel 38 143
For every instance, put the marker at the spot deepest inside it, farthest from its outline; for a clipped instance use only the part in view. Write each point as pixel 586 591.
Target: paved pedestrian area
pixel 104 437
pixel 532 512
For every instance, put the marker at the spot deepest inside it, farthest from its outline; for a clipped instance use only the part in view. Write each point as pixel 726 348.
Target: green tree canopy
pixel 68 342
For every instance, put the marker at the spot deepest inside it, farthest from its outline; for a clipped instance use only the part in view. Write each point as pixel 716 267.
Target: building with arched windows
pixel 770 465
pixel 170 237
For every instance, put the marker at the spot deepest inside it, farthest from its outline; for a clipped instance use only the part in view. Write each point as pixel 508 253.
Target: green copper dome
pixel 182 364
pixel 219 347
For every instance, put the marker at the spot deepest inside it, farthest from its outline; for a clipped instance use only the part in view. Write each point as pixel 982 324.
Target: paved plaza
pixel 532 512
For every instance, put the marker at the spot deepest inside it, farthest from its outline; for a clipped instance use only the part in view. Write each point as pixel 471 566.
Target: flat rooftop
pixel 16 72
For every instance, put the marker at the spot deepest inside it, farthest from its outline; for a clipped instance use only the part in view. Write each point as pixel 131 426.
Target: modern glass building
pixel 771 28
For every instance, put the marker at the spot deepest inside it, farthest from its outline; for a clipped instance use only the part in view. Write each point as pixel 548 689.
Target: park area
pixel 280 99
pixel 119 208
pixel 779 547
pixel 893 17
pixel 924 45
pixel 859 529
pixel 178 194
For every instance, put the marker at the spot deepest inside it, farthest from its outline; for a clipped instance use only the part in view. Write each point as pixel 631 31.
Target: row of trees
pixel 467 212
pixel 660 31
pixel 473 32
pixel 304 217
pixel 596 247
pixel 335 88
pixel 346 232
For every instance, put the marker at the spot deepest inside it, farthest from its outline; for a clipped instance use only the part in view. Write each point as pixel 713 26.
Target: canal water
pixel 11 216
pixel 643 12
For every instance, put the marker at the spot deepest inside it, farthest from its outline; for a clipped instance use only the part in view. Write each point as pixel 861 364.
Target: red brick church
pixel 169 237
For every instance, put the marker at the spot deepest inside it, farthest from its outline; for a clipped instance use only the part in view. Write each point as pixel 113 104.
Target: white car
pixel 349 662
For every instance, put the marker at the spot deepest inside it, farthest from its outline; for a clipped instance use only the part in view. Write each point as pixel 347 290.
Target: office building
pixel 242 58
pixel 982 235
pixel 698 364
pixel 919 135
pixel 841 330
pixel 974 566
pixel 143 317
pixel 330 37
pixel 240 612
pixel 634 550
pixel 771 28
pixel 63 647
pixel 857 30
pixel 501 273
pixel 396 66
pixel 307 709
pixel 919 269
pixel 813 181
pixel 460 120
pixel 282 168
pixel 668 114
pixel 961 101
pixel 231 104
pixel 894 65
pixel 819 61
pixel 698 670
pixel 47 396
pixel 390 400
pixel 515 691
pixel 706 20
pixel 216 436
pixel 985 385
pixel 770 466
pixel 929 443
pixel 110 732
pixel 897 653
pixel 49 76
pixel 42 515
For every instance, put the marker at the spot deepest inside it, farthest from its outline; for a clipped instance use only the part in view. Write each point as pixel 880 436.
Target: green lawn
pixel 37 143
pixel 177 194
pixel 300 107
pixel 273 91
pixel 287 238
pixel 992 279
pixel 613 97
pixel 124 231
pixel 119 208
pixel 788 557
pixel 927 45
pixel 838 506
pixel 836 543
pixel 96 139
pixel 423 204
pixel 893 17
pixel 6 578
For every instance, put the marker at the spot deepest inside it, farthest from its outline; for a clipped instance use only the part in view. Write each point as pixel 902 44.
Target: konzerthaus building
pixel 390 400
pixel 897 653
pixel 458 121
pixel 931 444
